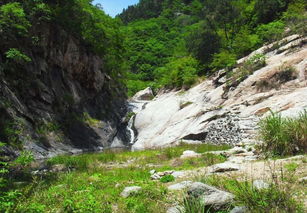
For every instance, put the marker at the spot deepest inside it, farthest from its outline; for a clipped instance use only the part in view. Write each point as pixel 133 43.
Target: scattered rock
pixel 130 190
pixel 189 154
pixel 260 184
pixel 159 175
pixel 211 196
pixel 180 186
pixel 239 209
pixel 225 167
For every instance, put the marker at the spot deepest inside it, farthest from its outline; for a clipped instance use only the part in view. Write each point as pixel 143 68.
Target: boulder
pixel 130 190
pixel 179 186
pixel 224 167
pixel 210 196
pixel 144 95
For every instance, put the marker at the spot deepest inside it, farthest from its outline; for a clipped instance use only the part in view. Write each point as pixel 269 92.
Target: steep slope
pixel 226 107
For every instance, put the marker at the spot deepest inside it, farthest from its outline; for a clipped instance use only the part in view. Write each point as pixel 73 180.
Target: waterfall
pixel 130 129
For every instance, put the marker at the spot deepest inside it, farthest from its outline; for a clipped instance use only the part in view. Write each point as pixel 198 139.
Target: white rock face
pixel 210 113
pixel 129 190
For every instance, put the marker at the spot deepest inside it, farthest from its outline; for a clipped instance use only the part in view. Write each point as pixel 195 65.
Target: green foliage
pixel 275 198
pixel 283 136
pixel 223 59
pixel 24 159
pixel 12 132
pixel 17 56
pixel 13 20
pixel 271 32
pixel 167 178
pixel 179 72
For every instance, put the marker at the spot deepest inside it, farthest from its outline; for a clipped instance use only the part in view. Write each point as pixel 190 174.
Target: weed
pixel 283 136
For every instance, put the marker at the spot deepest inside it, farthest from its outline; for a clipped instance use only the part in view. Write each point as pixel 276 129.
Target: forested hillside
pixel 170 43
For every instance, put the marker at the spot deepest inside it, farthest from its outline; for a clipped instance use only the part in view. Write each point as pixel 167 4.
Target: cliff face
pixel 62 101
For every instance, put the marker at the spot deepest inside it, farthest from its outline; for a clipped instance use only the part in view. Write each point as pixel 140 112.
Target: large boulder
pixel 210 196
pixel 144 95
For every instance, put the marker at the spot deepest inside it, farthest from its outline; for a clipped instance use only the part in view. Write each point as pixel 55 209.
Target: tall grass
pixel 278 197
pixel 283 136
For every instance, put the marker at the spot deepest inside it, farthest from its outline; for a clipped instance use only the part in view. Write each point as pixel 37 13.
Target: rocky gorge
pixel 219 111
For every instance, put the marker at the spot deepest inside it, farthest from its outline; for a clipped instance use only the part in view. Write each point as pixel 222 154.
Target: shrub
pixel 167 178
pixel 252 64
pixel 283 136
pixel 271 31
pixel 272 199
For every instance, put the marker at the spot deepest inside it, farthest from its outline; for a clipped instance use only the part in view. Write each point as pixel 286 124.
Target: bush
pixel 254 63
pixel 283 136
pixel 167 178
pixel 271 32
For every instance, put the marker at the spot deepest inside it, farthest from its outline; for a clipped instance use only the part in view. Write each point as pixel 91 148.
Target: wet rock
pixel 130 190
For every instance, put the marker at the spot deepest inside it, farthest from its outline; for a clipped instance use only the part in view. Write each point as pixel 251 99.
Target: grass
pixel 93 182
pixel 275 198
pixel 283 136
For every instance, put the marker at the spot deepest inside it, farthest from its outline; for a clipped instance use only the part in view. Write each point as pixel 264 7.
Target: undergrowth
pixel 283 136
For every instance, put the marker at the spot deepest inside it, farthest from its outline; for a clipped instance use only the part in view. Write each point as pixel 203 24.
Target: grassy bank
pixel 93 182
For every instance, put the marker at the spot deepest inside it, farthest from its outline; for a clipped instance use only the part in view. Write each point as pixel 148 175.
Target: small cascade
pixel 135 107
pixel 130 129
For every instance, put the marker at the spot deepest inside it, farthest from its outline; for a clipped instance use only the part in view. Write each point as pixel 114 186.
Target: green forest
pixel 156 43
